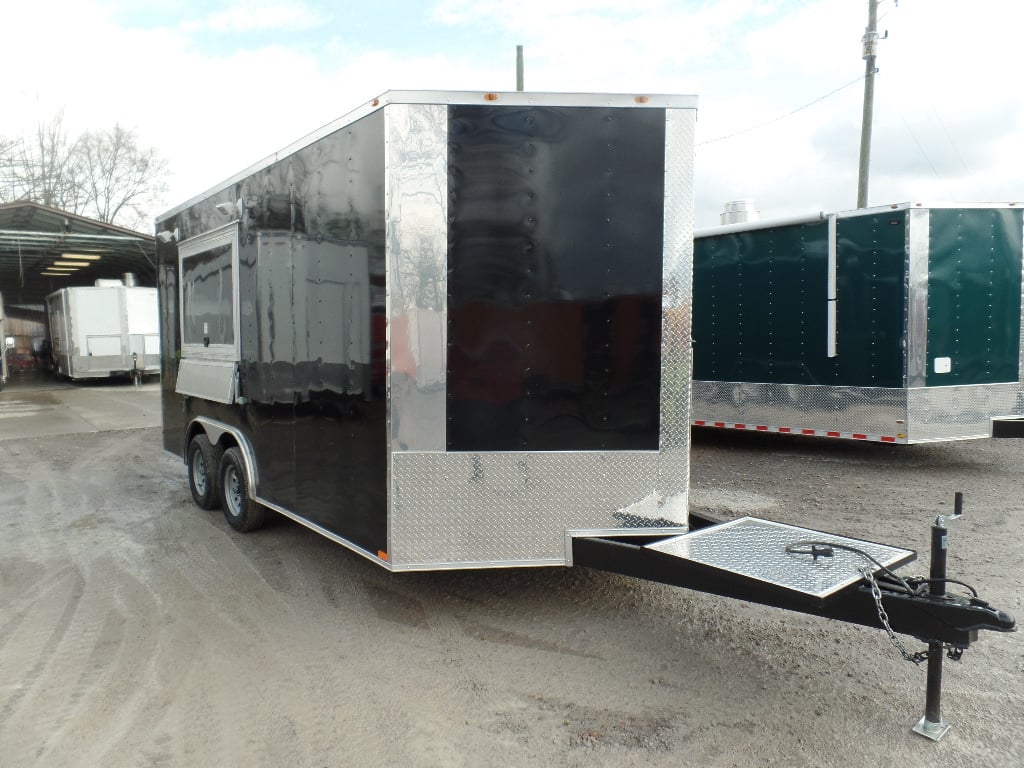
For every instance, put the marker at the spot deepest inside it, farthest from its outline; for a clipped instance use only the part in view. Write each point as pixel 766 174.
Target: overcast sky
pixel 217 85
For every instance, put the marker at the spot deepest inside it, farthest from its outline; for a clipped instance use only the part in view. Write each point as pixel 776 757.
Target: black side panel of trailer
pixel 311 286
pixel 554 278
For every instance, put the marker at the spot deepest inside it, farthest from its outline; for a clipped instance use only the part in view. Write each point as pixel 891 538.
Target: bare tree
pixel 44 168
pixel 104 174
pixel 120 181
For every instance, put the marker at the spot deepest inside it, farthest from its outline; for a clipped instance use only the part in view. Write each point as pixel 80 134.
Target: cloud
pixel 266 15
pixel 217 88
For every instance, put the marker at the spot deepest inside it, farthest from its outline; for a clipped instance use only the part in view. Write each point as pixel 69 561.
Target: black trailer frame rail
pixel 1008 426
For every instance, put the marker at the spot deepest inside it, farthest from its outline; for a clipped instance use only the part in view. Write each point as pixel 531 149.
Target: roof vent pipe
pixel 130 280
pixel 739 211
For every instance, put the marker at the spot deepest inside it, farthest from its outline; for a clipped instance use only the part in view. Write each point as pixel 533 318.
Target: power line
pixel 783 117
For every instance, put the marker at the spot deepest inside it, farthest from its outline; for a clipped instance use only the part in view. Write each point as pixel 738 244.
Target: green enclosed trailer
pixel 898 324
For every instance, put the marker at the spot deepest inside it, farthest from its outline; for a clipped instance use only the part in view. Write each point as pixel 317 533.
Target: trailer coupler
pixel 819 574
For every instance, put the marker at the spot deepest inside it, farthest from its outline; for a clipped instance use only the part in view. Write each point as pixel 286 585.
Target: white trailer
pixel 108 329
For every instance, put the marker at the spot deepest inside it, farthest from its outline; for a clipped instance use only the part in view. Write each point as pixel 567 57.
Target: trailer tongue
pixel 835 577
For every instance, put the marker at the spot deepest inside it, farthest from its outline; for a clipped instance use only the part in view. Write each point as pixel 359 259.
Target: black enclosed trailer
pixel 452 330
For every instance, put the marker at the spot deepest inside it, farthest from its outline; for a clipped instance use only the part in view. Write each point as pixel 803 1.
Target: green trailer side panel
pixel 871 307
pixel 974 295
pixel 760 304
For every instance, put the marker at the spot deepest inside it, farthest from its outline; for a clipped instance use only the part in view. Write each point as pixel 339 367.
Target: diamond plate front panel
pixel 757 549
pixel 955 413
pixel 479 509
pixel 871 410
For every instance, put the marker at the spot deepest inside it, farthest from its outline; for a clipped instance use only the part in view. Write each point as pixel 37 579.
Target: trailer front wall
pixel 557 262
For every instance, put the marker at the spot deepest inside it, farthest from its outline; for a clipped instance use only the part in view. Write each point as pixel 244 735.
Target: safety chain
pixel 952 651
pixel 876 592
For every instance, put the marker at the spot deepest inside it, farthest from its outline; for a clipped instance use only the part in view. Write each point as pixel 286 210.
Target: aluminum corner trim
pixel 917 238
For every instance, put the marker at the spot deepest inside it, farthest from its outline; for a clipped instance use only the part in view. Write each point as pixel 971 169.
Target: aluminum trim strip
pixel 916 310
pixel 416 256
pixel 750 226
pixel 324 532
pixel 1020 363
pixel 673 478
pixel 214 429
pixel 477 566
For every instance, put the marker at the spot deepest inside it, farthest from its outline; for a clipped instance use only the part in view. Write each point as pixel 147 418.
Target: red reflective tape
pixel 888 439
pixel 761 428
pixel 699 423
pixel 859 437
pixel 806 431
pixel 719 423
pixel 834 434
pixel 740 426
pixel 785 429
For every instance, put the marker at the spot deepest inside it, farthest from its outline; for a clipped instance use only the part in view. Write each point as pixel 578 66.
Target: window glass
pixel 207 290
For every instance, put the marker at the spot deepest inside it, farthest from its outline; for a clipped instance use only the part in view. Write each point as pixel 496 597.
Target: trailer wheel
pixel 204 472
pixel 240 510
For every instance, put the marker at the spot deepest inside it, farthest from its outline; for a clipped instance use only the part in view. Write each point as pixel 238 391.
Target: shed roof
pixel 33 237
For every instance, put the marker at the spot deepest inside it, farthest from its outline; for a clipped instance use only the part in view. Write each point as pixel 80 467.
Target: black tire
pixel 203 462
pixel 242 513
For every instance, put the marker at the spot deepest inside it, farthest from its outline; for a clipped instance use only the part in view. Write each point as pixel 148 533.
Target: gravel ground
pixel 138 630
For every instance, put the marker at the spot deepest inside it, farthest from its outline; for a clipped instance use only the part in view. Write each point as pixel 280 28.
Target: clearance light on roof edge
pixel 75 264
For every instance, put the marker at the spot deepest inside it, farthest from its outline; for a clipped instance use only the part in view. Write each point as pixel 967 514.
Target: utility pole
pixel 870 41
pixel 519 67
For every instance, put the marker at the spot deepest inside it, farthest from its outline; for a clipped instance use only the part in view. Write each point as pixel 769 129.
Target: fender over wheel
pixel 203 461
pixel 240 510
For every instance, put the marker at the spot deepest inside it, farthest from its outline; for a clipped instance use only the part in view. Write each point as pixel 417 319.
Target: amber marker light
pixel 490 97
pixel 382 555
pixel 641 99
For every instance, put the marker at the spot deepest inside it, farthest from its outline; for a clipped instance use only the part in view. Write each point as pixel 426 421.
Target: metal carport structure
pixel 35 239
